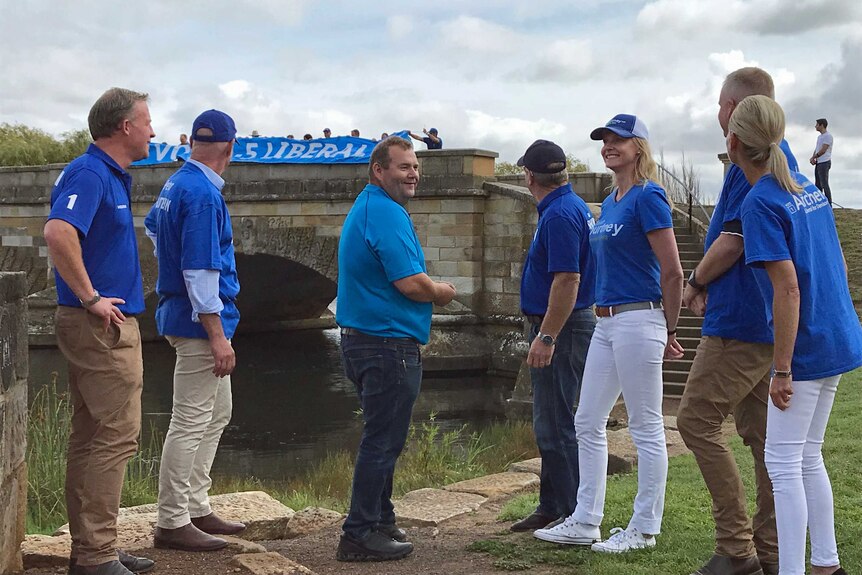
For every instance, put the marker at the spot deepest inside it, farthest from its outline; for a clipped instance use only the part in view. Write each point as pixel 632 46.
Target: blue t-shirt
pixel 194 232
pixel 561 244
pixel 627 270
pixel 379 246
pixel 735 309
pixel 779 226
pixel 432 145
pixel 93 194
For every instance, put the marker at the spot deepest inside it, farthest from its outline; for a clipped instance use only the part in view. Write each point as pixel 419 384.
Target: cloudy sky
pixel 487 74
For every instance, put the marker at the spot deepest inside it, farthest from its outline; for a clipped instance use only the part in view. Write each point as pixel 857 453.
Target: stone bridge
pixel 287 220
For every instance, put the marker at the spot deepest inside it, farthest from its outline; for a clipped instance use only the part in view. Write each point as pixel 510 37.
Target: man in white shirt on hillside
pixel 822 158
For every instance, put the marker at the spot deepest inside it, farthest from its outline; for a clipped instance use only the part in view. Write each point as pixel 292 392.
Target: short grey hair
pixel 111 109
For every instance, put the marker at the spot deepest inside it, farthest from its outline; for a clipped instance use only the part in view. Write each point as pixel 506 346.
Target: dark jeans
pixel 555 393
pixel 387 373
pixel 821 178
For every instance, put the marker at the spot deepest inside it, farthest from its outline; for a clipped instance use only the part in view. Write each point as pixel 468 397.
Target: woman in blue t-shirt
pixel 792 243
pixel 638 296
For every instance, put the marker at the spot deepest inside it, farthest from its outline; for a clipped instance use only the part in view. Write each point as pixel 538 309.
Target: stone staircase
pixel 690 247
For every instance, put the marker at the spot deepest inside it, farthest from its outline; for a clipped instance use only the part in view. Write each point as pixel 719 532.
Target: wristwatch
pixel 692 281
pixel 96 297
pixel 546 339
pixel 782 374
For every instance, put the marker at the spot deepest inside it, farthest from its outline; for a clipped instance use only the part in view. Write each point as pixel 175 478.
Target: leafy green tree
pixel 22 145
pixel 573 165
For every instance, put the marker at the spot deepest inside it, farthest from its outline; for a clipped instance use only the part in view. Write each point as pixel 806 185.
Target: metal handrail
pixel 690 200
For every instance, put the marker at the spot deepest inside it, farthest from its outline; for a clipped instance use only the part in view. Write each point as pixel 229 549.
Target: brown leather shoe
pixel 215 525
pixel 721 565
pixel 187 538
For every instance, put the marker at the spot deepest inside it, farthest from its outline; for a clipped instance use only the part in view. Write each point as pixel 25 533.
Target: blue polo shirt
pixel 93 194
pixel 735 309
pixel 627 270
pixel 779 226
pixel 378 246
pixel 561 244
pixel 194 232
pixel 433 145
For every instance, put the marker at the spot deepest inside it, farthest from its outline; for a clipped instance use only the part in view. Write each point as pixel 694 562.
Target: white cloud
pixel 399 26
pixel 235 89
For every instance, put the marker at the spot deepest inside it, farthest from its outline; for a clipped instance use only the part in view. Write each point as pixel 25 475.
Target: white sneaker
pixel 570 532
pixel 624 540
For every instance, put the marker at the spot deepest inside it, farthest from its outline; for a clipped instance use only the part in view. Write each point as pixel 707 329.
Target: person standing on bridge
pixel 638 295
pixel 385 301
pixel 558 287
pixel 730 373
pixel 197 287
pixel 90 235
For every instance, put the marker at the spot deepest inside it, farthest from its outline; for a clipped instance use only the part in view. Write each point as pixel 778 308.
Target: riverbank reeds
pixel 432 458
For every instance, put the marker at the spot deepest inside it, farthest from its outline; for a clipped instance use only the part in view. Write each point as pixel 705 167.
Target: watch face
pixel 547 340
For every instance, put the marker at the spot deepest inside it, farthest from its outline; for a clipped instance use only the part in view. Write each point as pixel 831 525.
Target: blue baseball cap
pixel 432 131
pixel 543 157
pixel 220 124
pixel 623 125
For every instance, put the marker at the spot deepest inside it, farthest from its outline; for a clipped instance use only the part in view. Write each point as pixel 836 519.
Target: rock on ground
pixel 497 485
pixel 430 507
pixel 533 465
pixel 269 564
pixel 311 519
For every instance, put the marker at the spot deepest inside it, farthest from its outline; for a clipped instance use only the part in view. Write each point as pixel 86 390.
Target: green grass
pixel 849 224
pixel 687 537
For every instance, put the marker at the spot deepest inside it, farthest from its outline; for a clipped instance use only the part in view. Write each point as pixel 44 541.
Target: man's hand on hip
pixel 223 357
pixel 106 309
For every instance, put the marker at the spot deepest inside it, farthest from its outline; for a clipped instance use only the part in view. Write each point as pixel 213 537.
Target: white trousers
pixel 201 410
pixel 625 356
pixel 803 493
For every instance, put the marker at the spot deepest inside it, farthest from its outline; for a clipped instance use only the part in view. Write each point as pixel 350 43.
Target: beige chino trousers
pixel 201 410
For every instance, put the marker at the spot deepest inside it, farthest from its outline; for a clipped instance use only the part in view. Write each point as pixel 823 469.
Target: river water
pixel 291 401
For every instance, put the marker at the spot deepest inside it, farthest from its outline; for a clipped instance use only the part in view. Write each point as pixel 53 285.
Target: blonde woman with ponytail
pixel 792 243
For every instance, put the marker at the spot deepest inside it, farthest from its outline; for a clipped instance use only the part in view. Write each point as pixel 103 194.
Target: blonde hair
pixel 758 122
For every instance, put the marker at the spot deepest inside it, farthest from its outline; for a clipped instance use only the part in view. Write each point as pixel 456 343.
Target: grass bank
pixel 432 458
pixel 687 534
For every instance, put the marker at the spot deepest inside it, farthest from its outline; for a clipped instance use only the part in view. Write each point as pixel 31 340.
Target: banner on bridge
pixel 340 150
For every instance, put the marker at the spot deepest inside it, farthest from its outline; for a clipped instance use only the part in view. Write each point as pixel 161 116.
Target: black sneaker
pixel 129 561
pixel 393 532
pixel 375 547
pixel 532 522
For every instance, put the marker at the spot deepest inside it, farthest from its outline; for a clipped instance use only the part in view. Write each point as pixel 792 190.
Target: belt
pixel 352 331
pixel 611 311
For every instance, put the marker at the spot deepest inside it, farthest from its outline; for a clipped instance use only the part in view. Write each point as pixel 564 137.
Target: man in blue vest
pixel 90 235
pixel 557 295
pixel 191 229
pixel 385 299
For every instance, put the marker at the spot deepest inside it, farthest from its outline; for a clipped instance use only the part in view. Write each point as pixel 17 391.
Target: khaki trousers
pixel 731 376
pixel 201 410
pixel 106 376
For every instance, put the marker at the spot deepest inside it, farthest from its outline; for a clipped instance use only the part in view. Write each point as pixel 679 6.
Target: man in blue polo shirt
pixel 557 294
pixel 431 139
pixel 197 287
pixel 385 300
pixel 730 373
pixel 90 235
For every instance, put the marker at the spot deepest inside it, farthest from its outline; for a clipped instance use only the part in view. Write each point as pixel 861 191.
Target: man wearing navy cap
pixel 431 139
pixel 90 235
pixel 197 287
pixel 557 294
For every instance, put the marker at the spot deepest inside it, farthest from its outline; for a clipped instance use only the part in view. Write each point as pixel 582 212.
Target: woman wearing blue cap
pixel 792 243
pixel 638 297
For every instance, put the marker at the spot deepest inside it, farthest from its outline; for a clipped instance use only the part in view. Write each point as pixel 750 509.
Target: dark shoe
pixel 215 525
pixel 109 568
pixel 393 532
pixel 187 538
pixel 721 565
pixel 130 562
pixel 375 547
pixel 532 522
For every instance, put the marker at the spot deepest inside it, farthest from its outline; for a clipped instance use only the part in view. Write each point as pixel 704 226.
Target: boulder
pixel 241 546
pixel 623 456
pixel 430 507
pixel 40 551
pixel 497 485
pixel 311 519
pixel 528 466
pixel 269 564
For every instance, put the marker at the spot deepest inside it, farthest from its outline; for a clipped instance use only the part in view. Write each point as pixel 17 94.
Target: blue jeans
pixel 387 373
pixel 555 393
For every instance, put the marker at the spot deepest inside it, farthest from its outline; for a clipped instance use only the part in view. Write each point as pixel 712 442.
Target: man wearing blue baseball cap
pixel 197 287
pixel 431 139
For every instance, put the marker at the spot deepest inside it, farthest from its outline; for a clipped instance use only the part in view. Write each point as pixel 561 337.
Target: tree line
pixel 22 145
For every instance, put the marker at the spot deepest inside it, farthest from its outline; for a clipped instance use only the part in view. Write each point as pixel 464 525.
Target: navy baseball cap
pixel 220 124
pixel 623 125
pixel 540 155
pixel 432 131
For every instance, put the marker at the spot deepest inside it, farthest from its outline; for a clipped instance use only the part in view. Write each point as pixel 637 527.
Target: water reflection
pixel 292 403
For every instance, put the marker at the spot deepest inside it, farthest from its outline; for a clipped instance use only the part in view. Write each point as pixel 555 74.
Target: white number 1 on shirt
pixel 72 199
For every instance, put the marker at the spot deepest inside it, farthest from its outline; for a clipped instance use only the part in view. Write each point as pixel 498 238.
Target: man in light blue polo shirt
pixel 90 235
pixel 557 294
pixel 197 288
pixel 385 300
